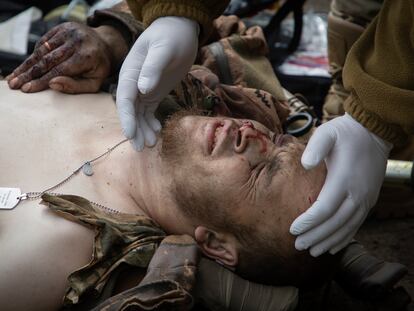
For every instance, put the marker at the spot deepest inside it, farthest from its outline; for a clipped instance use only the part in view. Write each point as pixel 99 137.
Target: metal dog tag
pixel 9 197
pixel 87 169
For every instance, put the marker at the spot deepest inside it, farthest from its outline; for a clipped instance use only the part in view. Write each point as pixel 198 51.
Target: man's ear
pixel 219 246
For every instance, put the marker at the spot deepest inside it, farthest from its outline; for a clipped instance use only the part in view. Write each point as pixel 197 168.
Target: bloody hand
pixel 70 58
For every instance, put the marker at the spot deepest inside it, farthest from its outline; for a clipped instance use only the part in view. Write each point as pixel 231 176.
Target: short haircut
pixel 262 258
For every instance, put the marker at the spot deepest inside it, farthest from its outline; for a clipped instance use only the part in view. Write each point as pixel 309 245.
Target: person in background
pixel 347 20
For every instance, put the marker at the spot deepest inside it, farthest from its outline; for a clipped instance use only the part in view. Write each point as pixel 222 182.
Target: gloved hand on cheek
pixel 356 160
pixel 158 60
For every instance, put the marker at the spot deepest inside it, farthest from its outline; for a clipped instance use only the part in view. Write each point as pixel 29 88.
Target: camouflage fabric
pixel 232 77
pixel 169 281
pixel 201 88
pixel 119 239
pixel 244 52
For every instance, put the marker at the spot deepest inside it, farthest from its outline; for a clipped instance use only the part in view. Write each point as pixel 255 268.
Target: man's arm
pixel 203 12
pixel 355 147
pixel 379 74
pixel 78 58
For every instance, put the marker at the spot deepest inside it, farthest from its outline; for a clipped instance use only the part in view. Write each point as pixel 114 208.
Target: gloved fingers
pixel 153 68
pixel 69 85
pixel 126 97
pixel 150 136
pixel 152 121
pixel 329 199
pixel 340 235
pixel 328 227
pixel 319 146
pixel 345 242
pixel 126 113
pixel 349 238
pixel 138 140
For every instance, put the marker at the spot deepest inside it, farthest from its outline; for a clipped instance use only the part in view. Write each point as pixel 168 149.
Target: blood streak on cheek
pixel 259 135
pixel 262 138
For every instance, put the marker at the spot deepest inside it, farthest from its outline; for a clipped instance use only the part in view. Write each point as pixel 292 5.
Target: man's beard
pixel 188 184
pixel 176 142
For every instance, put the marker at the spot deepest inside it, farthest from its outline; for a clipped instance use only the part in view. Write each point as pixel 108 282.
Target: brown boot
pixel 341 36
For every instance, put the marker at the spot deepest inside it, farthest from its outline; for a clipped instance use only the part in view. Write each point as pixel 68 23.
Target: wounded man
pixel 207 178
pixel 223 179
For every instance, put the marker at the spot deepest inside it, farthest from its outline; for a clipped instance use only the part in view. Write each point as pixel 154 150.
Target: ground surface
pixel 389 239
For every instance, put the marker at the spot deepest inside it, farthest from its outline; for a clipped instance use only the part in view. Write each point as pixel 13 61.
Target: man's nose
pixel 244 136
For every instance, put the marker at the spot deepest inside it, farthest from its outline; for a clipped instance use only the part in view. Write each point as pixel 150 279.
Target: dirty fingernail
pixel 56 86
pixel 26 87
pixel 9 77
pixel 13 82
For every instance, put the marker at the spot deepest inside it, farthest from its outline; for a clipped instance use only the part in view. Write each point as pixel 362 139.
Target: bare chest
pixel 44 137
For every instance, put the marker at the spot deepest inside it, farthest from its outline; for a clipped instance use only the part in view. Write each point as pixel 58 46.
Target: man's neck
pixel 148 184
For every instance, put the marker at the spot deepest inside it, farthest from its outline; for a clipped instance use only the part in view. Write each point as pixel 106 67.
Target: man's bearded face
pixel 243 170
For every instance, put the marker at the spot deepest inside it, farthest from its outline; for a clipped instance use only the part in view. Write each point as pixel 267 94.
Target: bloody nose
pixel 245 132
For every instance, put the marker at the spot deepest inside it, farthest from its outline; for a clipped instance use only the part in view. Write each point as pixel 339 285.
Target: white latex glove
pixel 159 59
pixel 356 160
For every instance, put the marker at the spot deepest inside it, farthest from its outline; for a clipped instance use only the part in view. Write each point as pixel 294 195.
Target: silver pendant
pixel 87 169
pixel 9 197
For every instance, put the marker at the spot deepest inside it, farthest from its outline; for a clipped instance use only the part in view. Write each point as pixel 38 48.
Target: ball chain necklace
pixel 11 197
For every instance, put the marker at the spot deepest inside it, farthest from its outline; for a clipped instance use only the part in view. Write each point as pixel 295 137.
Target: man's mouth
pixel 213 135
pixel 216 134
pixel 238 138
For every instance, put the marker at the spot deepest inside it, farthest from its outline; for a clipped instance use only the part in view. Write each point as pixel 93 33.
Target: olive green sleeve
pixel 379 73
pixel 204 12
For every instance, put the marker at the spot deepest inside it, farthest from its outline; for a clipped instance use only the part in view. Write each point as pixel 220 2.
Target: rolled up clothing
pixel 220 289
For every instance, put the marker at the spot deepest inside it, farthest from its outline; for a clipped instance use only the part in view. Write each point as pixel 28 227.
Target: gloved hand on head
pixel 158 60
pixel 356 160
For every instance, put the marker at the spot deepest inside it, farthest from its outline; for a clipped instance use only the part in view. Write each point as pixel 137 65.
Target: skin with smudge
pixel 76 59
pixel 255 173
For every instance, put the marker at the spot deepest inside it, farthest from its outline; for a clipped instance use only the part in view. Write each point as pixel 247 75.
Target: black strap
pixel 216 48
pixel 273 28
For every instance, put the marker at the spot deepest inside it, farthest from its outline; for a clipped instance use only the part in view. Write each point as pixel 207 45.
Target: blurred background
pixel 295 30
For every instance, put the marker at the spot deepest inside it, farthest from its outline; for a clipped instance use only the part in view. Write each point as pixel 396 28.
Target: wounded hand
pixel 70 58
